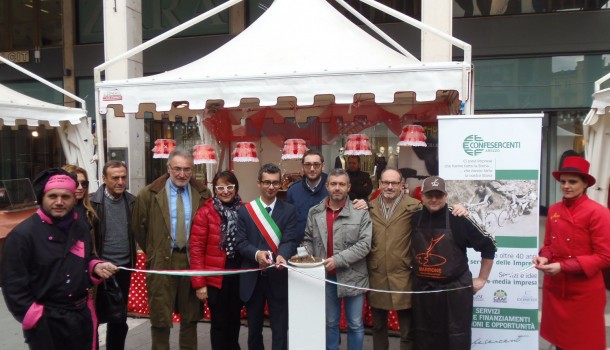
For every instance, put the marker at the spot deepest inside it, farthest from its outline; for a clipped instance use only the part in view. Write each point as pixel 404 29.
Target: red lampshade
pixel 412 135
pixel 204 154
pixel 358 144
pixel 163 147
pixel 245 152
pixel 294 149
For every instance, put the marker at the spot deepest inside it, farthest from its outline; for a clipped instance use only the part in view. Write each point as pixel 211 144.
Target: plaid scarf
pixel 387 211
pixel 228 227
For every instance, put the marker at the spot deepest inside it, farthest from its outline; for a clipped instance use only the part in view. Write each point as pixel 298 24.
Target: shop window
pixel 554 82
pixel 86 90
pixel 472 8
pixel 158 16
pixel 32 23
pixel 410 8
pixel 38 91
pixel 27 151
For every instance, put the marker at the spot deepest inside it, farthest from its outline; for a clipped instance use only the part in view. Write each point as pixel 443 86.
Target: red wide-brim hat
pixel 577 166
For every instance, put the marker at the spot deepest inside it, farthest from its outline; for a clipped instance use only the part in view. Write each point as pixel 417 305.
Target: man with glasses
pixel 114 242
pixel 266 235
pixel 438 247
pixel 311 190
pixel 161 222
pixel 389 260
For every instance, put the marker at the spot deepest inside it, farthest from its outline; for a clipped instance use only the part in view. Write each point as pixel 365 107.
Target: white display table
pixel 306 309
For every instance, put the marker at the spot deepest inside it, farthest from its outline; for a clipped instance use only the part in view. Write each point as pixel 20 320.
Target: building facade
pixel 529 56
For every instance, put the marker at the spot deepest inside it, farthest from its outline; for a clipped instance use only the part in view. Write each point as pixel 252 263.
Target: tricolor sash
pixel 271 233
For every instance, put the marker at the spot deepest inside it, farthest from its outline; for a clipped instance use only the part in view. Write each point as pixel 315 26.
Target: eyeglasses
pixel 268 183
pixel 225 188
pixel 185 171
pixel 312 165
pixel 388 183
pixel 83 184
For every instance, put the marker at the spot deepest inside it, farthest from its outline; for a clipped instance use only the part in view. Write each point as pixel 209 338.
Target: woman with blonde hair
pixel 83 205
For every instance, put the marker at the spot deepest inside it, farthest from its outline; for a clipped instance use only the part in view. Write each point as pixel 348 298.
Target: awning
pixel 71 123
pixel 296 49
pixel 17 108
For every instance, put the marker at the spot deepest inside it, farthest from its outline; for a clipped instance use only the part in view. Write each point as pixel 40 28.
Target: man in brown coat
pixel 389 260
pixel 161 221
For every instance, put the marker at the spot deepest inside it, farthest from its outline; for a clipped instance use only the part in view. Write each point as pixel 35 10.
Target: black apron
pixel 441 320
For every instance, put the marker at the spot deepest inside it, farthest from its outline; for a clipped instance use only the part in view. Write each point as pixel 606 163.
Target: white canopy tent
pixel 72 125
pixel 304 51
pixel 299 49
pixel 597 141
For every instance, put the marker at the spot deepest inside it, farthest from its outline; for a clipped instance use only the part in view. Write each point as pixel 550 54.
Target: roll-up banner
pixel 491 164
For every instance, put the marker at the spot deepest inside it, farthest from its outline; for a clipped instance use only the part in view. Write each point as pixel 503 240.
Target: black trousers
pixel 443 320
pixel 61 329
pixel 116 331
pixel 225 307
pixel 278 316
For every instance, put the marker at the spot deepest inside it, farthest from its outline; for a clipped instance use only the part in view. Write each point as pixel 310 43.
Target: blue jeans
pixel 353 314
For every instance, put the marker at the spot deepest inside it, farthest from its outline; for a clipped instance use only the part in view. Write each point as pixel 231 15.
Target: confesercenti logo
pixel 527 298
pixel 474 145
pixel 500 296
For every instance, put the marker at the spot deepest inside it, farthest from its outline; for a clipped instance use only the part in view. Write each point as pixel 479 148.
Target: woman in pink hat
pixel 576 249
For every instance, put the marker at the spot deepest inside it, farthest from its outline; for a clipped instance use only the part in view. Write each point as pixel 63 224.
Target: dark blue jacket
pixel 249 239
pixel 304 199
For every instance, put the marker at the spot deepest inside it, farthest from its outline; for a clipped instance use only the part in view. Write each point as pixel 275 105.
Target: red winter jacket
pixel 205 252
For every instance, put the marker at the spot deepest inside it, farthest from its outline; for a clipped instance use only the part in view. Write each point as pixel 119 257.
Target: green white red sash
pixel 271 233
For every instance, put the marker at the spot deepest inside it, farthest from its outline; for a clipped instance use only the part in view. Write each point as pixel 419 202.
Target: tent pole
pixel 424 27
pixel 100 155
pixel 376 29
pixel 97 76
pixel 136 50
pixel 45 82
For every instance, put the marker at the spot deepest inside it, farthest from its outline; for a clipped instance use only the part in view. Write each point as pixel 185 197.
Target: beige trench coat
pixel 389 260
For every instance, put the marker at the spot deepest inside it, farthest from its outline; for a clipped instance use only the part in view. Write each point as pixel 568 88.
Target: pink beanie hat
pixel 60 181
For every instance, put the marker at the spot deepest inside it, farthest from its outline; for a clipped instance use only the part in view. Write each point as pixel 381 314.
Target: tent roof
pixel 15 106
pixel 296 48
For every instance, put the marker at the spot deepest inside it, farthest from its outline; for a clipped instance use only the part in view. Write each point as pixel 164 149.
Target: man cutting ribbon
pixel 266 234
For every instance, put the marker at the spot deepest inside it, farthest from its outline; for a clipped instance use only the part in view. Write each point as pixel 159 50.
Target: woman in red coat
pixel 576 249
pixel 212 247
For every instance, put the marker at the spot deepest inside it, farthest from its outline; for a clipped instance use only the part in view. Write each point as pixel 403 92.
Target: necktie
pixel 268 209
pixel 180 221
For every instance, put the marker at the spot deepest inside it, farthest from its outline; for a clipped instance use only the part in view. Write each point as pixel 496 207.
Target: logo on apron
pixel 428 263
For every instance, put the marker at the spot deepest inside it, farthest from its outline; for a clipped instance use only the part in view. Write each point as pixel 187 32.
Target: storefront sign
pixel 16 56
pixel 499 155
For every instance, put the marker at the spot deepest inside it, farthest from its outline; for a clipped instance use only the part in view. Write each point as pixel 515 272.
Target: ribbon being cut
pixel 300 271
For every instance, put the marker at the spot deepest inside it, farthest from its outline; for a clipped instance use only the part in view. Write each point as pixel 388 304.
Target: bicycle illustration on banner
pixel 496 204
